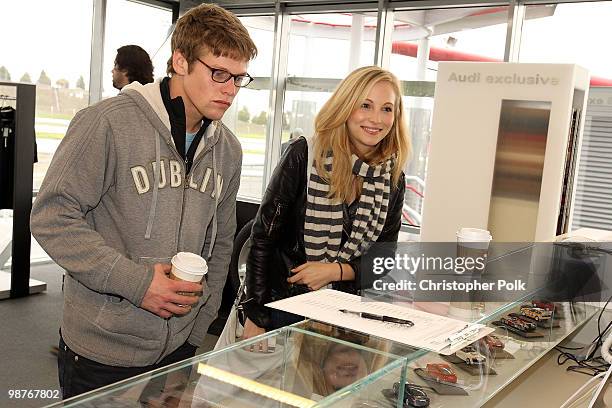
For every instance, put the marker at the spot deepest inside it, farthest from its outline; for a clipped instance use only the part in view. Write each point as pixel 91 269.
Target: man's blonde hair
pixel 212 29
pixel 332 134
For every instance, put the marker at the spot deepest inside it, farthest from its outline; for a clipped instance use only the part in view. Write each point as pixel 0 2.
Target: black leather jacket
pixel 277 239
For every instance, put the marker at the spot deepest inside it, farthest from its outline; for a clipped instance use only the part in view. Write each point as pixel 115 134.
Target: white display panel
pixel 468 122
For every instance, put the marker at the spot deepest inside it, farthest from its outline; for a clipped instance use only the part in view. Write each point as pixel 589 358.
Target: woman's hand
pixel 251 330
pixel 315 274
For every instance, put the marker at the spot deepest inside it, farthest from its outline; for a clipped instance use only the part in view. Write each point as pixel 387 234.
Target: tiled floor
pixel 29 329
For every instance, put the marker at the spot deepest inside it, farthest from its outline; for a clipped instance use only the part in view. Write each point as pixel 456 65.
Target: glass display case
pixel 313 364
pixel 450 381
pixel 288 367
pixel 525 328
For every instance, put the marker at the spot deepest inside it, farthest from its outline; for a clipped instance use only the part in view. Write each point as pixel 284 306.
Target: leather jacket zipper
pixel 276 214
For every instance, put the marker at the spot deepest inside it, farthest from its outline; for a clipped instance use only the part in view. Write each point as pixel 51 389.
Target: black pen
pixel 381 318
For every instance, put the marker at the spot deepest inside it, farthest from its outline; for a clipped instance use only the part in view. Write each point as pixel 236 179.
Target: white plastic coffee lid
pixel 190 263
pixel 474 234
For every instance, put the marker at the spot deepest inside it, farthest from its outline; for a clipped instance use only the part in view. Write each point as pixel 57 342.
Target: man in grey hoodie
pixel 138 178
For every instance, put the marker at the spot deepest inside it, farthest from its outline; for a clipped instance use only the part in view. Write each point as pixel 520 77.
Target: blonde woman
pixel 315 223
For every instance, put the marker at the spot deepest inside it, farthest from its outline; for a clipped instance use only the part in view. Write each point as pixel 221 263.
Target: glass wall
pixel 47 44
pixel 49 47
pixel 576 33
pixel 421 39
pixel 323 49
pixel 579 33
pixel 248 115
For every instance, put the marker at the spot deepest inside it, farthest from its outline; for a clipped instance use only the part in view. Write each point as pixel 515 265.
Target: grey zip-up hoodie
pixel 114 202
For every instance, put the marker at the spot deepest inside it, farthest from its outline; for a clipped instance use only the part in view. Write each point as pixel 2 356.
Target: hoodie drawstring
pixel 156 170
pixel 213 236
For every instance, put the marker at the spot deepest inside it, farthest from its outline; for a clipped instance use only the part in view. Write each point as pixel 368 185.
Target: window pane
pixel 330 45
pixel 586 43
pixel 323 49
pixel 151 33
pixel 51 48
pixel 55 59
pixel 579 33
pixel 421 39
pixel 248 115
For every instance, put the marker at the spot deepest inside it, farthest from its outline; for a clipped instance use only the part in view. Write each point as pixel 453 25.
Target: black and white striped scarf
pixel 323 221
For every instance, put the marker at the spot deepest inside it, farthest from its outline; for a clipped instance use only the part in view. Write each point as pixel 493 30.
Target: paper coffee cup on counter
pixel 188 267
pixel 473 242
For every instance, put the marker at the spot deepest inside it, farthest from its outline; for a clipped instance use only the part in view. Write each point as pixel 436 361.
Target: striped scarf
pixel 323 221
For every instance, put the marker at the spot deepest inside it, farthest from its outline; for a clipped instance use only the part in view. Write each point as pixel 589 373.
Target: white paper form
pixel 430 331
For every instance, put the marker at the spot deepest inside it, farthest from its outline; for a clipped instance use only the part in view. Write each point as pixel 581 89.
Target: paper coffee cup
pixel 190 268
pixel 474 237
pixel 473 243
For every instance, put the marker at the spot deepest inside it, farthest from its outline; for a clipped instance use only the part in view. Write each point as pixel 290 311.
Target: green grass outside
pixel 54 116
pixel 285 135
pixel 46 135
pixel 59 136
pixel 258 136
pixel 252 151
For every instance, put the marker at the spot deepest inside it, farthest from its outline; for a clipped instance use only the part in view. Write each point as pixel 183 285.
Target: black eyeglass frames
pixel 222 76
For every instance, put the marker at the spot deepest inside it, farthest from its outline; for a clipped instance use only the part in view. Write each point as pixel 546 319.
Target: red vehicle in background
pixel 492 343
pixel 441 372
pixel 542 304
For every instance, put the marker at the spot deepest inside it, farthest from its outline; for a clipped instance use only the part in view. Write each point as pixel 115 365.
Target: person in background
pixel 132 63
pixel 315 223
pixel 139 177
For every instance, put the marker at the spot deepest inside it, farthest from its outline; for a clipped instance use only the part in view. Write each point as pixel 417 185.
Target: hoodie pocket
pixel 121 317
pixel 179 323
pixel 116 304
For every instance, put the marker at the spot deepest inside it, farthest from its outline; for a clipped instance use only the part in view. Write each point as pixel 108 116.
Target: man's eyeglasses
pixel 222 76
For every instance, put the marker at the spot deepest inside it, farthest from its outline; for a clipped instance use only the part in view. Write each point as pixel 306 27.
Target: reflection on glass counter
pixel 503 356
pixel 314 364
pixel 289 367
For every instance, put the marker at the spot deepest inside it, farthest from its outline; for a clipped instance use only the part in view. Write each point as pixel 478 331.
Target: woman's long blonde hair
pixel 331 131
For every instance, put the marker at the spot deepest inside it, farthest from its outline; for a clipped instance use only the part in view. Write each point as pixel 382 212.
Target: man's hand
pixel 315 274
pixel 161 297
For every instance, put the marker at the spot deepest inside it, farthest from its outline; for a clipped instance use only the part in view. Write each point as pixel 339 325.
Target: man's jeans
pixel 78 374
